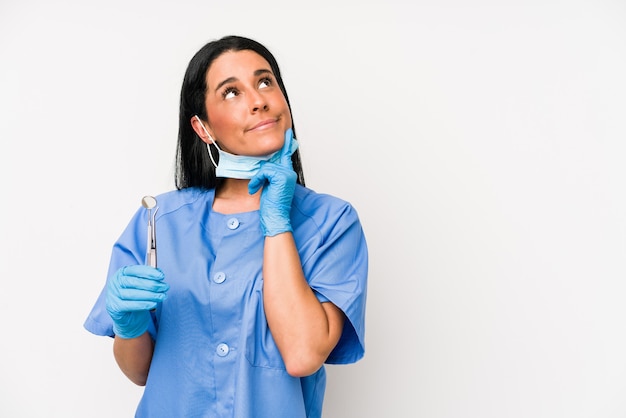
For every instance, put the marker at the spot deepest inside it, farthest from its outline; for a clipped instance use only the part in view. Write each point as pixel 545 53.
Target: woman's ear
pixel 202 130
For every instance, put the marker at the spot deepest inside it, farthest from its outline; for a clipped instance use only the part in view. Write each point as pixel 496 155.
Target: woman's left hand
pixel 279 183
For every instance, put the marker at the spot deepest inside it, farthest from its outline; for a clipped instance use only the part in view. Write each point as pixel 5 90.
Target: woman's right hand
pixel 131 293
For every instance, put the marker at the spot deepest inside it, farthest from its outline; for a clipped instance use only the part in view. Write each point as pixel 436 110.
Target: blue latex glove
pixel 131 293
pixel 279 183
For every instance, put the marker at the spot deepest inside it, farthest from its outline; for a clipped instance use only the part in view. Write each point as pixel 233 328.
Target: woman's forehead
pixel 235 64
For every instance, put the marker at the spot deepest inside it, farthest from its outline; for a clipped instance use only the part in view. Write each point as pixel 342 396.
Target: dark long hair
pixel 193 164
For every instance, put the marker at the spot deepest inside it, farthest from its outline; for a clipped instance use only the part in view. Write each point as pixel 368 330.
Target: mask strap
pixel 211 138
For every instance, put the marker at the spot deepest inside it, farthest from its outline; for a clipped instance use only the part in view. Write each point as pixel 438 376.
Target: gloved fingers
pixel 140 270
pixel 255 183
pixel 140 295
pixel 120 306
pixel 135 288
pixel 274 173
pixel 125 282
pixel 267 173
pixel 289 147
pixel 120 300
pixel 270 173
pixel 130 324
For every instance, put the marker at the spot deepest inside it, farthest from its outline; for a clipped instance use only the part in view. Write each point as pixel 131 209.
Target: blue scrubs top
pixel 214 354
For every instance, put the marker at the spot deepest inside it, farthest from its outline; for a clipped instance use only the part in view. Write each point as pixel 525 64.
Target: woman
pixel 260 280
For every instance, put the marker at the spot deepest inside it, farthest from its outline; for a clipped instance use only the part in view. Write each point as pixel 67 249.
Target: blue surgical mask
pixel 237 166
pixel 241 166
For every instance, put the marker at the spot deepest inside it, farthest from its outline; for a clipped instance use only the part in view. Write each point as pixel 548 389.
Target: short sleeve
pixel 128 250
pixel 337 271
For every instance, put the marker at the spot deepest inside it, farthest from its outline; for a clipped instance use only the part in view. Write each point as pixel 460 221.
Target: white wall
pixel 482 143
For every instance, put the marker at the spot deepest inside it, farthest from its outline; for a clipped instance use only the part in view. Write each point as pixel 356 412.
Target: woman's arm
pixel 133 356
pixel 305 330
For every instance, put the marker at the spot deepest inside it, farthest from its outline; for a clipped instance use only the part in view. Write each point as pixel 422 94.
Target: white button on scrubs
pixel 219 277
pixel 233 223
pixel 222 350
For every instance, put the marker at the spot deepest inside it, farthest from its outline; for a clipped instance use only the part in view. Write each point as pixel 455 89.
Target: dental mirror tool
pixel 149 203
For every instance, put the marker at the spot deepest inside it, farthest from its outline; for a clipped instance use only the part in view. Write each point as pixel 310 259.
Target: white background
pixel 482 143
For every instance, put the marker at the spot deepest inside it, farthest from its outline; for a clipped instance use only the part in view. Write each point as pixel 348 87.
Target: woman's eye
pixel 229 93
pixel 266 82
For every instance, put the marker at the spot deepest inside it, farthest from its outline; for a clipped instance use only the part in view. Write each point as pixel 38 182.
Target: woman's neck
pixel 232 197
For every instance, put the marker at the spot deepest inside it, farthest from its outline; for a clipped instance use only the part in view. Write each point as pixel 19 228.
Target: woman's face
pixel 247 112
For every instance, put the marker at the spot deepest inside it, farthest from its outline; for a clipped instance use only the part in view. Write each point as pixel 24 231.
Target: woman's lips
pixel 264 124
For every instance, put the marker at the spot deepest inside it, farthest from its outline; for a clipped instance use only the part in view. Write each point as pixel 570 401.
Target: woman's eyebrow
pixel 228 80
pixel 231 79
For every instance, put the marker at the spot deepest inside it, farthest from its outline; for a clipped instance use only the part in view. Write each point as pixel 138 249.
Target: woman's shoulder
pixel 313 204
pixel 173 200
pixel 306 195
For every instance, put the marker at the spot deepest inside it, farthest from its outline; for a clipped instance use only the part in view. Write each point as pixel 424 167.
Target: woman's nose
pixel 258 102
